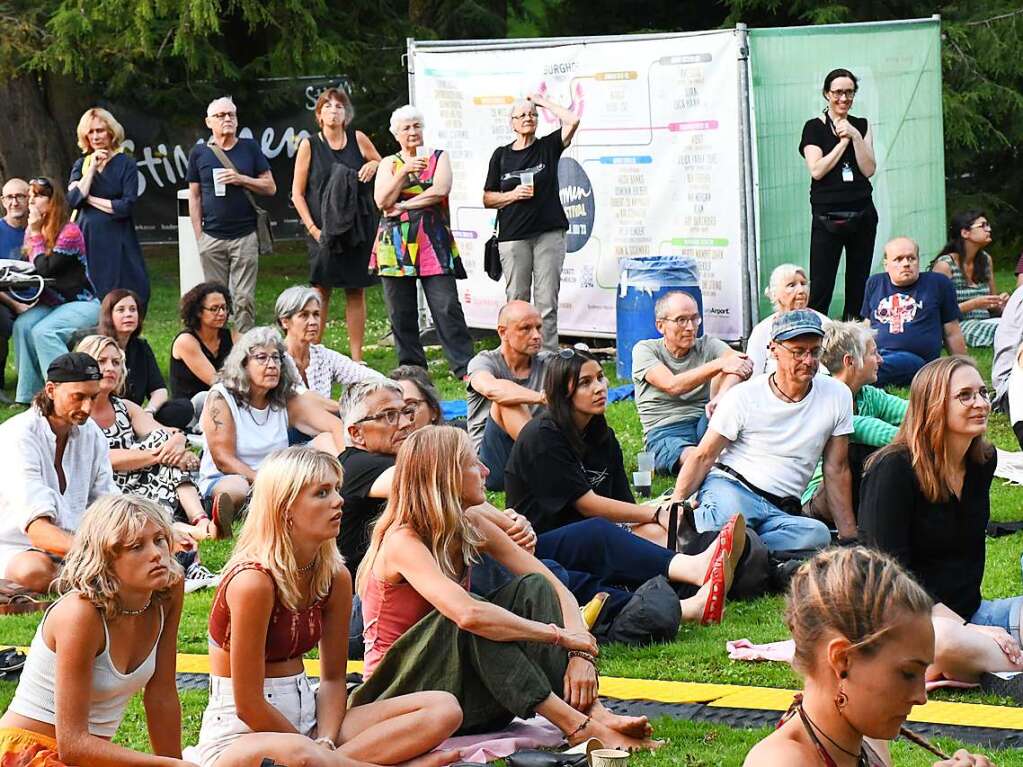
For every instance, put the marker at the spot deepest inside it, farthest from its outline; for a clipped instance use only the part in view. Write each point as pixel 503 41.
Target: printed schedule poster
pixel 654 168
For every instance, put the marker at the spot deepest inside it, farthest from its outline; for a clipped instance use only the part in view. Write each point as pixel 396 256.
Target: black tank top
pixel 322 158
pixel 184 384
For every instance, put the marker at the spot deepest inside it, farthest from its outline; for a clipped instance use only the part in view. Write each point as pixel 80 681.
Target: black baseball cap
pixel 72 368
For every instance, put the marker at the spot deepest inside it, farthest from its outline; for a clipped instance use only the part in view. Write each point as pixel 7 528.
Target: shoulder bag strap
pixel 222 156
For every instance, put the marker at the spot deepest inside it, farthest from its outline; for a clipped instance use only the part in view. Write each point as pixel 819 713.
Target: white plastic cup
pixel 608 757
pixel 645 461
pixel 219 187
pixel 526 178
pixel 422 151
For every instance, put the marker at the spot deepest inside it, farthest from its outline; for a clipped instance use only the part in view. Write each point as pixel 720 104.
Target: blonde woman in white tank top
pixel 112 633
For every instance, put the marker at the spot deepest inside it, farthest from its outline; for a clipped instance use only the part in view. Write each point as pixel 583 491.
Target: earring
pixel 841 699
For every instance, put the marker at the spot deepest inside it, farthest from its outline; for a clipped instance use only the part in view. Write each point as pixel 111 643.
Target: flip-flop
pixel 714 610
pixel 223 512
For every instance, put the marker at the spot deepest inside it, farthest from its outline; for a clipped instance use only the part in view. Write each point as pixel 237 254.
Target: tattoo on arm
pixel 215 414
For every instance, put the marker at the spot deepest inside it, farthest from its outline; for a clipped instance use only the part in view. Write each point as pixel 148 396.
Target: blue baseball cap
pixel 800 322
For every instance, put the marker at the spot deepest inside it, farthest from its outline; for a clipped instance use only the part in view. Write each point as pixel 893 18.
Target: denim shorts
pixel 1003 613
pixel 667 442
pixel 293 696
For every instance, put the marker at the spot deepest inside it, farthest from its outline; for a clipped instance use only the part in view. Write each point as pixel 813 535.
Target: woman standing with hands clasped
pixel 839 152
pixel 522 184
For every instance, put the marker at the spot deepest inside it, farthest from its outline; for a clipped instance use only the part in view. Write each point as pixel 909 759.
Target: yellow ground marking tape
pixel 721 696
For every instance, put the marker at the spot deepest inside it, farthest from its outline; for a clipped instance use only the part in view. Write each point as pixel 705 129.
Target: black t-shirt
pixel 543 212
pixel 361 470
pixel 231 216
pixel 941 544
pixel 544 476
pixel 143 374
pixel 833 188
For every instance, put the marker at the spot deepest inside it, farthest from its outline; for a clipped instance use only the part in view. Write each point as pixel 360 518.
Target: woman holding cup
pixel 522 185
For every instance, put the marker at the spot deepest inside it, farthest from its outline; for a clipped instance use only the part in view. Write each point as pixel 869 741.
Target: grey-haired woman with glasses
pixel 248 412
pixel 522 185
pixel 839 153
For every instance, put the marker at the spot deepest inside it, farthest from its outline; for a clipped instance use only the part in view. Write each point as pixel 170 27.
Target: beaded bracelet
pixel 584 655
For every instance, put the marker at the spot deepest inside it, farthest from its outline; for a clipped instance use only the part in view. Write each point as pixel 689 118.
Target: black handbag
pixel 492 258
pixel 534 758
pixel 842 221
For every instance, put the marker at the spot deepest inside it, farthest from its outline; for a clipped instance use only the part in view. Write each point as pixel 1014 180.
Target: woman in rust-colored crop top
pixel 284 592
pixel 522 650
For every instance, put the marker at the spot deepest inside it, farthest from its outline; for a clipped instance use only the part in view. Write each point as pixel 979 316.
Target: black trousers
pixel 826 253
pixel 442 298
pixel 7 318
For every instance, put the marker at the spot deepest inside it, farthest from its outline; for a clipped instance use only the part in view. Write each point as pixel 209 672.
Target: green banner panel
pixel 899 68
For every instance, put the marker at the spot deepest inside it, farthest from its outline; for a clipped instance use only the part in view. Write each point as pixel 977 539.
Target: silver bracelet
pixel 325 741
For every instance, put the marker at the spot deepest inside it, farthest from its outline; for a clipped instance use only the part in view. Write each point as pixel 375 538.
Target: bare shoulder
pixel 778 749
pixel 250 584
pixel 76 616
pixel 185 343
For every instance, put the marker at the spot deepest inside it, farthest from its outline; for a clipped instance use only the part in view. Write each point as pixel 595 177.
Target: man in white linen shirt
pixel 764 441
pixel 56 463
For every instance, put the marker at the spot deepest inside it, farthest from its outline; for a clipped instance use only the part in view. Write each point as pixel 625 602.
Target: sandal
pixel 222 513
pixel 714 610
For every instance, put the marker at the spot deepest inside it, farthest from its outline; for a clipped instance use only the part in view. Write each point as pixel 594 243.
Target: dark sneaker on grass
pixel 222 513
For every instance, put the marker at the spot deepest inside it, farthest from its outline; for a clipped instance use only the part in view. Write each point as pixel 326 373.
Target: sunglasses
pixel 45 186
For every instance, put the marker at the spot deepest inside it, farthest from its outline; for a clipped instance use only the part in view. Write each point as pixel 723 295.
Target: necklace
pixel 139 611
pixel 308 567
pixel 774 385
pixel 252 415
pixel 861 757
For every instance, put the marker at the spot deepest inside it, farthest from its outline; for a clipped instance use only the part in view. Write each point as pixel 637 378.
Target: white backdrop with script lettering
pixel 655 168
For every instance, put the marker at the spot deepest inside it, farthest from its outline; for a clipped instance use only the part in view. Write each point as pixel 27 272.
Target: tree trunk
pixel 37 136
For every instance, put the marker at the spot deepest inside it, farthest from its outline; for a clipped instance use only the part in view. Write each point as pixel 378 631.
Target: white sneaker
pixel 199 577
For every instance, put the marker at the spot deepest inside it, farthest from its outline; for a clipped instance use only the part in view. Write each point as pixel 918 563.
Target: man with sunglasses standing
pixel 522 184
pixel 678 377
pixel 763 443
pixel 218 205
pixel 12 235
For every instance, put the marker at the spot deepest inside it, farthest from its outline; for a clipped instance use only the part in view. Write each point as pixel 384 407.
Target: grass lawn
pixel 697 655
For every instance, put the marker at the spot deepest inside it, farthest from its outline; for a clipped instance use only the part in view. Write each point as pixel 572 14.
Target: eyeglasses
pixel 986 226
pixel 218 309
pixel 14 197
pixel 844 94
pixel 393 417
pixel 524 115
pixel 264 359
pixel 224 116
pixel 969 397
pixel 695 320
pixel 801 354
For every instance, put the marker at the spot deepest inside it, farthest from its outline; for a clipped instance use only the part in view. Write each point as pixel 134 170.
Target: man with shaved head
pixel 12 234
pixel 913 312
pixel 505 386
pixel 677 376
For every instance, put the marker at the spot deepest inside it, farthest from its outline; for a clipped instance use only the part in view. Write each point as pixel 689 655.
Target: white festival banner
pixel 654 168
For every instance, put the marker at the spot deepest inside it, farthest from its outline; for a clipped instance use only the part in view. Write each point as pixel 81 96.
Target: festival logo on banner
pixel 576 194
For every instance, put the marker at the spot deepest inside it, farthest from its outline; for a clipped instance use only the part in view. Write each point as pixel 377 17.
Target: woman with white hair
pixel 788 289
pixel 522 184
pixel 317 368
pixel 248 412
pixel 286 591
pixel 414 241
pixel 850 355
pixel 103 190
pixel 112 633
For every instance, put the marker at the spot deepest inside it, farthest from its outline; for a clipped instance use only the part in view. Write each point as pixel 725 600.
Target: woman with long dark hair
pixel 925 499
pixel 839 153
pixel 55 247
pixel 971 269
pixel 566 475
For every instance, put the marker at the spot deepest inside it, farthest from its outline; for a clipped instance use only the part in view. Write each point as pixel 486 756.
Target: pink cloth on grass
pixel 529 733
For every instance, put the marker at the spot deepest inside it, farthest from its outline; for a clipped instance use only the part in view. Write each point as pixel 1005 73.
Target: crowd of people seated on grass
pixel 363 525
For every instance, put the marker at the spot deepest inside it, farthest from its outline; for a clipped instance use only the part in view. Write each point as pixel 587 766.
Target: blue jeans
pixel 1004 613
pixel 41 335
pixel 898 368
pixel 667 442
pixel 494 451
pixel 721 496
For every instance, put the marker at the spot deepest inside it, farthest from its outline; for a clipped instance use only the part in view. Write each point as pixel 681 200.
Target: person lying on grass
pixel 285 591
pixel 524 650
pixel 863 635
pixel 112 633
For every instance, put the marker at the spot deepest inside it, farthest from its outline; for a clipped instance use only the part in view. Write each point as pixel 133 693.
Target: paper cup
pixel 219 187
pixel 608 757
pixel 645 461
pixel 641 478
